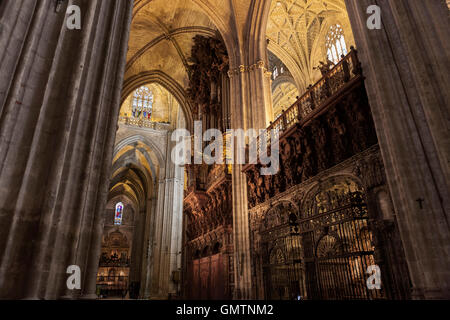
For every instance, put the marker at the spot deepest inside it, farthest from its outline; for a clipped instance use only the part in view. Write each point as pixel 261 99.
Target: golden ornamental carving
pixel 243 69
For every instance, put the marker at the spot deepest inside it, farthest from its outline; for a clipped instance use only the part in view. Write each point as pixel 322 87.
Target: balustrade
pixel 317 97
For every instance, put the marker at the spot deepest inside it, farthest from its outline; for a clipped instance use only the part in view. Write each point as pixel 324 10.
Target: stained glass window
pixel 335 43
pixel 142 103
pixel 118 214
pixel 275 73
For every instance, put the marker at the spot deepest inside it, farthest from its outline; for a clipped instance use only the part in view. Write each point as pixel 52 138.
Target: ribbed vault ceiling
pixel 162 32
pixel 161 37
pixel 284 95
pixel 297 29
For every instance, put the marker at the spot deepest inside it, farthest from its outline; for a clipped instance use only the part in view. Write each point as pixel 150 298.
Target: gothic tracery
pixel 87 172
pixel 297 30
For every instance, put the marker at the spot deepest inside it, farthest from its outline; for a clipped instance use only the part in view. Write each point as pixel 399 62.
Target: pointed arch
pixel 161 78
pixel 139 138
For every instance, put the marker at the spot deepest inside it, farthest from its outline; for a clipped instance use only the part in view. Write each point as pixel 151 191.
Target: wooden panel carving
pixel 333 134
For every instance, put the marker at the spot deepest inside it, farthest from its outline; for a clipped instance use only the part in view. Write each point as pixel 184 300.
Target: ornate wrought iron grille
pixel 323 254
pixel 282 256
pixel 338 247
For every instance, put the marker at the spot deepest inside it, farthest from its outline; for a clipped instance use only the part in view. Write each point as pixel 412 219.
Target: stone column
pixel 176 242
pixel 166 231
pixel 148 265
pixel 407 70
pixel 250 96
pixel 59 104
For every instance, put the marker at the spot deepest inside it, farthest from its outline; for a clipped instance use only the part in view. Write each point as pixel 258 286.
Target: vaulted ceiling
pixel 284 95
pixel 165 106
pixel 162 32
pixel 161 37
pixel 134 171
pixel 296 32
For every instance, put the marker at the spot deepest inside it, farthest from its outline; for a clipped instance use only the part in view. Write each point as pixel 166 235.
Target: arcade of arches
pixel 86 170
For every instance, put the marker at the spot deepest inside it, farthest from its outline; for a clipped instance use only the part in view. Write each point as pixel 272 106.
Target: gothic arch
pixel 343 21
pixel 212 12
pixel 126 158
pixel 114 197
pixel 256 30
pixel 279 214
pixel 129 141
pixel 286 203
pixel 329 243
pixel 161 78
pixel 169 35
pixel 283 79
pixel 132 181
pixel 296 30
pixel 222 26
pixel 290 63
pixel 127 166
pixel 335 180
pixel 140 173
